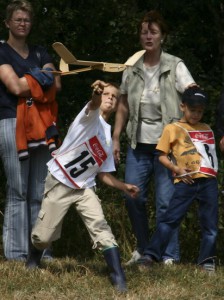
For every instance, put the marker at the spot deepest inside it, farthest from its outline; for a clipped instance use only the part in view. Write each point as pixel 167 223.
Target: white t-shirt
pixel 150 116
pixel 74 163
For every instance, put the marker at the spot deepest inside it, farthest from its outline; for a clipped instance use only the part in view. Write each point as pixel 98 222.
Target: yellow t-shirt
pixel 177 142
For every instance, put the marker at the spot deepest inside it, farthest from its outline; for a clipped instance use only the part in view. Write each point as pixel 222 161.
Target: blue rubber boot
pixel 117 276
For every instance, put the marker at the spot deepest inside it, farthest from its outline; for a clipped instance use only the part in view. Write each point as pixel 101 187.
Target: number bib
pixel 204 142
pixel 81 162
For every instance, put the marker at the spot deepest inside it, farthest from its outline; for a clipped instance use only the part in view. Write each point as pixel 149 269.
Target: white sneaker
pixel 135 257
pixel 168 261
pixel 209 267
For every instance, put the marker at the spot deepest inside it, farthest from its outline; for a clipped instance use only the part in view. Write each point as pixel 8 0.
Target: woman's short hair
pixel 19 5
pixel 154 16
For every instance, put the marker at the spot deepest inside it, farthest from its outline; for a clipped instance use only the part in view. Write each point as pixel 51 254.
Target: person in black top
pixel 25 179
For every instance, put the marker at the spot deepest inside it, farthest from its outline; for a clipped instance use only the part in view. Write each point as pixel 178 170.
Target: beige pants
pixel 57 200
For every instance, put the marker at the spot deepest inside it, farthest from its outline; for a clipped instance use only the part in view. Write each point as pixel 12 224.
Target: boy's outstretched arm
pixel 130 189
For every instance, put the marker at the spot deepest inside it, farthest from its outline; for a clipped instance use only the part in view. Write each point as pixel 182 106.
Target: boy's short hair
pixel 195 96
pixel 116 86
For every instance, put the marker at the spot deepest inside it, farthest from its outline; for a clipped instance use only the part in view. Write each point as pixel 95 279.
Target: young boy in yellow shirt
pixel 187 148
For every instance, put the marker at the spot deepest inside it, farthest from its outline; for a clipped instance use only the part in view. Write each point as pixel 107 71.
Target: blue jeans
pixel 205 191
pixel 24 191
pixel 141 164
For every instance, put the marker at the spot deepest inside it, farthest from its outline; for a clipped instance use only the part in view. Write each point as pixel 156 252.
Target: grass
pixel 68 279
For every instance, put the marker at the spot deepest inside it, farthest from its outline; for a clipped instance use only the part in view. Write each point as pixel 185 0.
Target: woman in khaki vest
pixel 150 95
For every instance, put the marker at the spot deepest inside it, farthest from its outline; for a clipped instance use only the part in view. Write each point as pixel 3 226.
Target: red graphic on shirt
pixel 98 151
pixel 204 137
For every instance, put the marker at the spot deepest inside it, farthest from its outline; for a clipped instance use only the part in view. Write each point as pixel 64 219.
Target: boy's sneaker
pixel 134 259
pixel 168 261
pixel 209 267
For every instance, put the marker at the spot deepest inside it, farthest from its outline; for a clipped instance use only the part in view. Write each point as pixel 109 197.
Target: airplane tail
pixel 64 53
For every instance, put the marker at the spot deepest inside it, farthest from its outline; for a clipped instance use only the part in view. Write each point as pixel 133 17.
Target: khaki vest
pixel 170 97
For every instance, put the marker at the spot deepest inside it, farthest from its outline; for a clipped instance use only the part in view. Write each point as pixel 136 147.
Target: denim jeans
pixel 205 191
pixel 24 191
pixel 141 164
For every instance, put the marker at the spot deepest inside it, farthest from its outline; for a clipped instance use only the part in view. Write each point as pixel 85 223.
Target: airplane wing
pixel 69 59
pixel 134 58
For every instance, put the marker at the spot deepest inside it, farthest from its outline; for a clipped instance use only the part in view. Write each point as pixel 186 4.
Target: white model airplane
pixel 67 58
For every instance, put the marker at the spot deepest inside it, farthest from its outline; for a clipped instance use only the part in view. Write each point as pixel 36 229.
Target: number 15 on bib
pixel 82 162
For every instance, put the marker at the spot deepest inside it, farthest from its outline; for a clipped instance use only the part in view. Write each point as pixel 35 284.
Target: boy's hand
pixel 98 87
pixel 183 174
pixel 131 190
pixel 95 102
